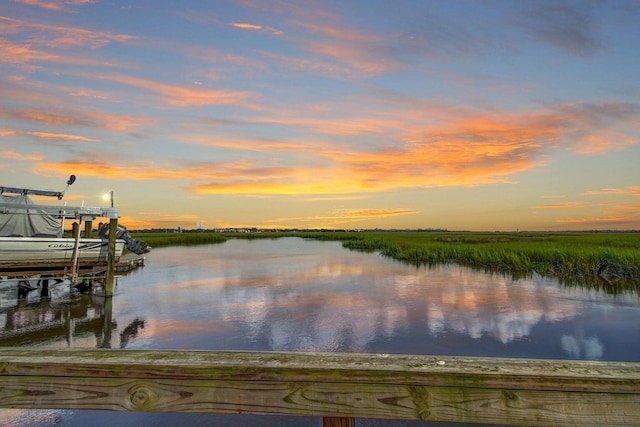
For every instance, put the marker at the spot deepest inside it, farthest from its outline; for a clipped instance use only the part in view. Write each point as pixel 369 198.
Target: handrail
pixel 65 211
pixel 343 385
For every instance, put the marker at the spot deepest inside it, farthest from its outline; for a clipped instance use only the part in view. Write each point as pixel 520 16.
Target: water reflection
pixel 56 315
pixel 292 294
pixel 580 347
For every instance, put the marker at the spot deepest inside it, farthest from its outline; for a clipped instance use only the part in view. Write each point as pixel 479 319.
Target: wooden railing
pixel 336 386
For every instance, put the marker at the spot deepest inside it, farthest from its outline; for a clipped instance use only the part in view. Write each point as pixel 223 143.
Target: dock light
pixel 109 196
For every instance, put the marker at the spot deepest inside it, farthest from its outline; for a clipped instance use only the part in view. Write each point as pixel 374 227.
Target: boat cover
pixel 25 222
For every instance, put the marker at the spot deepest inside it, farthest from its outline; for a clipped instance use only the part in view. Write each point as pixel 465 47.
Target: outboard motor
pixel 138 247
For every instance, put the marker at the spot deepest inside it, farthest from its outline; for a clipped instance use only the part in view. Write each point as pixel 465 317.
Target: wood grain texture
pixel 340 385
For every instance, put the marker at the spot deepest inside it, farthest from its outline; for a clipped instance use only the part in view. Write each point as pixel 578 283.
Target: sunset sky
pixel 464 115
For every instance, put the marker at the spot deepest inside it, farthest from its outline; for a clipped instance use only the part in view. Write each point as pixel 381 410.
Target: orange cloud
pixel 593 220
pixel 21 54
pixel 146 220
pixel 370 213
pixel 363 153
pixel 561 205
pixel 93 119
pixel 14 155
pixel 183 96
pixel 630 191
pixel 64 136
pixel 339 217
pixel 115 171
pixel 257 144
pixel 622 215
pixel 332 198
pixel 246 26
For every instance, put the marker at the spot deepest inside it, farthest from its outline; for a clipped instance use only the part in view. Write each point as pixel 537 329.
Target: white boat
pixel 22 251
pixel 32 236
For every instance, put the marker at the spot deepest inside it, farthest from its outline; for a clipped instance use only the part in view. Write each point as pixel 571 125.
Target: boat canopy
pixel 26 221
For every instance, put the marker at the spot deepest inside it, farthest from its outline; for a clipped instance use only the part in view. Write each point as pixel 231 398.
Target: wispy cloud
pixel 15 155
pixel 361 51
pixel 627 191
pixel 471 149
pixel 61 136
pixel 29 45
pixel 341 217
pixel 561 205
pixel 595 220
pixel 615 215
pixel 58 36
pixel 184 96
pixel 55 5
pixel 314 65
pixel 93 119
pixel 256 27
pixel 333 198
pixel 568 26
pixel 370 213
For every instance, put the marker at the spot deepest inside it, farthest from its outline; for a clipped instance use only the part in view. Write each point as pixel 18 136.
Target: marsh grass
pixel 158 240
pixel 603 259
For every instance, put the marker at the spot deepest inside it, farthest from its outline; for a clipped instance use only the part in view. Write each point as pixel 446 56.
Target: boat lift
pixel 80 213
pixel 72 212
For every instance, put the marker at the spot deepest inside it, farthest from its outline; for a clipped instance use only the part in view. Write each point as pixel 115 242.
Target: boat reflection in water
pixel 54 314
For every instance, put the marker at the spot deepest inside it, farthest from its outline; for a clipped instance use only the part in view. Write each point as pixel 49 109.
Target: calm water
pixel 299 295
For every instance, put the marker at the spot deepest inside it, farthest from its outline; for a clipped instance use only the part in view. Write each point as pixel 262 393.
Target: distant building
pixel 200 227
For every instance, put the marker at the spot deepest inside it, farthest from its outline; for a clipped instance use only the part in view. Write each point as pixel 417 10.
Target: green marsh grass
pixel 158 240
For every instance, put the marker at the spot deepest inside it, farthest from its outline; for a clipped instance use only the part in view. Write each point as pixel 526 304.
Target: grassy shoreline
pixel 603 259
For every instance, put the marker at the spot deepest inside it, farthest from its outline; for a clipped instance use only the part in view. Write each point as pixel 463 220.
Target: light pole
pixel 109 195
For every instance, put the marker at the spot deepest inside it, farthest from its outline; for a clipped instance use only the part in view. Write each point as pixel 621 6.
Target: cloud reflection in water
pixel 292 294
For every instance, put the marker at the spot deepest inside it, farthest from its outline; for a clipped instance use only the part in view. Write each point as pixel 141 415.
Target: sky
pixel 413 114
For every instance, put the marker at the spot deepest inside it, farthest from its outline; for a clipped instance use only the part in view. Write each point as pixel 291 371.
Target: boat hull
pixel 16 251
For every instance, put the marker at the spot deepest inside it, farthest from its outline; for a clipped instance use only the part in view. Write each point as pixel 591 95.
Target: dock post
pixel 88 225
pixel 111 255
pixel 74 256
pixel 338 422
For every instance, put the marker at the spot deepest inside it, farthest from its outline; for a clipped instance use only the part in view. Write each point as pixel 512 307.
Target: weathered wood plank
pixel 353 400
pixel 462 389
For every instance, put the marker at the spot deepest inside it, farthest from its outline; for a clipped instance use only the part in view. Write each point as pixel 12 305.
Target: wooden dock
pixel 129 262
pixel 336 386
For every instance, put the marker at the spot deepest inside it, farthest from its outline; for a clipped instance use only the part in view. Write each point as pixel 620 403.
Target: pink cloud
pixel 255 27
pixel 55 5
pixel 60 36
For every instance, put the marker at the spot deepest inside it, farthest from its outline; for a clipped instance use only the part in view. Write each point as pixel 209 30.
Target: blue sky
pixel 475 115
